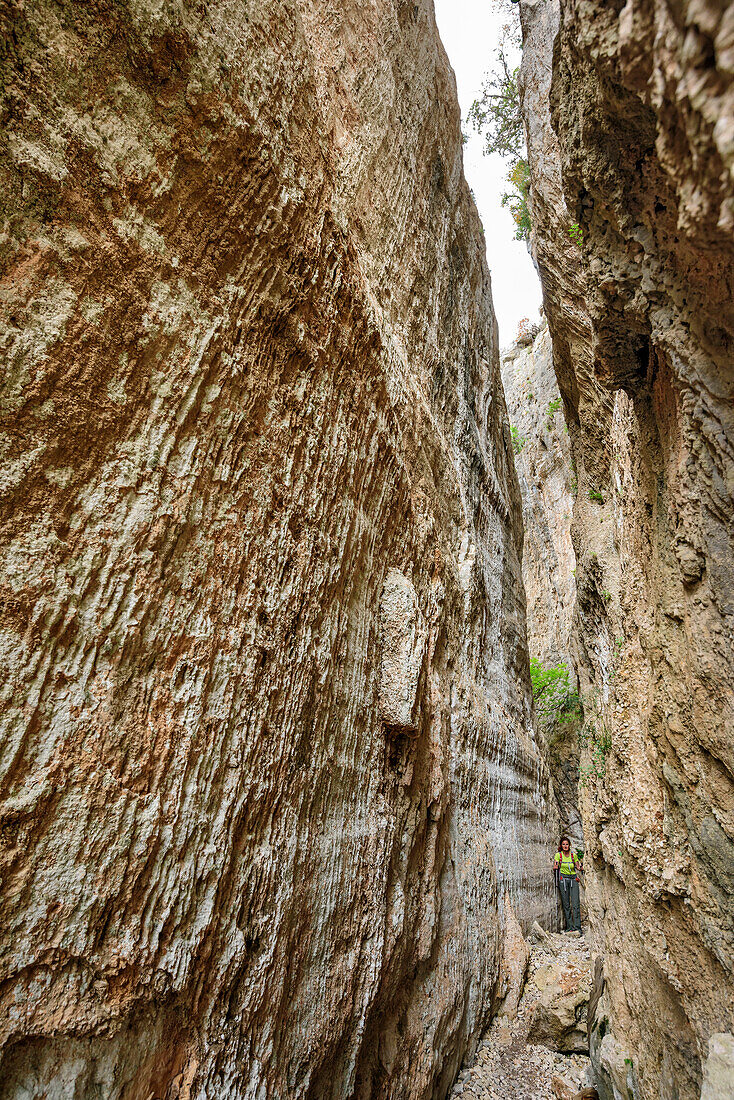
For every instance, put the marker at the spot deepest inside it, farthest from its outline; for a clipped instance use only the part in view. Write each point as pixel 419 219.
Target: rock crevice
pixel 545 469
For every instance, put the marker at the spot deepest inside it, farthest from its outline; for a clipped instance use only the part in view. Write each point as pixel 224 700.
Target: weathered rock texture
pixel 642 320
pixel 268 774
pixel 559 1013
pixel 510 1063
pixel 544 469
pixel 547 484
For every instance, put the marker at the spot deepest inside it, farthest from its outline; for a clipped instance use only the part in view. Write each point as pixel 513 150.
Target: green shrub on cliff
pixel 576 233
pixel 556 700
pixel 517 200
pixel 596 743
pixel 518 441
pixel 496 113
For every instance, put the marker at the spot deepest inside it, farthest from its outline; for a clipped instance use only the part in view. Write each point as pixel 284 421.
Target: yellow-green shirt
pixel 566 863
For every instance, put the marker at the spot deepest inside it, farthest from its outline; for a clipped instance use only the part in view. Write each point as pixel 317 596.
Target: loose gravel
pixel 506 1066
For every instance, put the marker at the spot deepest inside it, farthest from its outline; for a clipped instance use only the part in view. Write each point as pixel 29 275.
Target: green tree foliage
pixel 496 115
pixel 517 200
pixel 576 233
pixel 556 700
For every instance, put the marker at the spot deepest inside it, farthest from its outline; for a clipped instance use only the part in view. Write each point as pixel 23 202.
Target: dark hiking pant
pixel 569 888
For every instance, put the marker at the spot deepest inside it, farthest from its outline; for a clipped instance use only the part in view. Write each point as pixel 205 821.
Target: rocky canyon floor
pixel 508 1064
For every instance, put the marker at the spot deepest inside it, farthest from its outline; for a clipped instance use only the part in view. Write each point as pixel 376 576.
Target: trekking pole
pixel 557 880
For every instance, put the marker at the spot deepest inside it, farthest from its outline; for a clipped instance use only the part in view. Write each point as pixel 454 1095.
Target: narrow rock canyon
pixel 271 795
pixel 277 808
pixel 545 471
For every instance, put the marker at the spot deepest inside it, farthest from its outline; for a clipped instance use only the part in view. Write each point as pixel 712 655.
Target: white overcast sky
pixel 470 31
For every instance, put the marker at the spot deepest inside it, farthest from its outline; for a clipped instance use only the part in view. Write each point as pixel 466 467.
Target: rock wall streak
pixel 638 269
pixel 269 782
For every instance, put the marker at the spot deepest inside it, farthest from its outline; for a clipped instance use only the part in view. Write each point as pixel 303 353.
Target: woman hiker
pixel 567 869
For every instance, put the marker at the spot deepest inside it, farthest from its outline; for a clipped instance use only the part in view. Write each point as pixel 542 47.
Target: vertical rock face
pixel 269 781
pixel 543 463
pixel 544 467
pixel 638 273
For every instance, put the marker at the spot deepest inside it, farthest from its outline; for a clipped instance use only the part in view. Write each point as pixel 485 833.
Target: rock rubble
pixel 508 1064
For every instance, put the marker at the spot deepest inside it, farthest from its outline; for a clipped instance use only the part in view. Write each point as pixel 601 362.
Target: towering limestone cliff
pixel 630 116
pixel 269 786
pixel 547 488
pixel 544 468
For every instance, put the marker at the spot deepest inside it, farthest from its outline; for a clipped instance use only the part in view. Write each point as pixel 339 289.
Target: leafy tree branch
pixel 496 115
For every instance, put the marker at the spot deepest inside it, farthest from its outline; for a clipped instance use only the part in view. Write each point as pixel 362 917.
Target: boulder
pixel 559 1015
pixel 562 1090
pixel 539 935
pixel 718 1069
pixel 514 966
